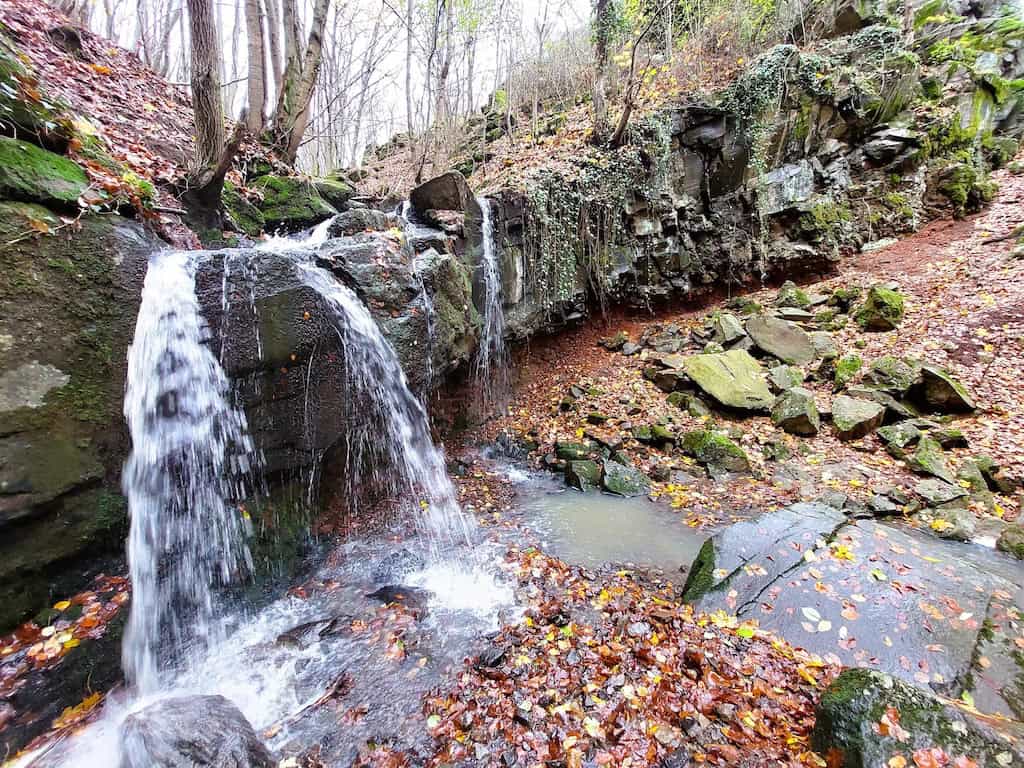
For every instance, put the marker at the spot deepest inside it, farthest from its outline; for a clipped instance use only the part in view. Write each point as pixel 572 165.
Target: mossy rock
pixel 966 187
pixel 795 412
pixel 882 310
pixel 624 480
pixel 583 474
pixel 893 375
pixel 68 305
pixel 291 203
pixel 791 295
pixel 36 175
pixel 734 379
pixel 243 214
pixel 847 368
pixel 853 418
pixel 1011 540
pixel 334 191
pixel 571 451
pixel 716 451
pixel 43 117
pixel 928 459
pixel 848 714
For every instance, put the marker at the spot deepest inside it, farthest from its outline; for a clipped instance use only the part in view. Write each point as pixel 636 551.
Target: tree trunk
pixel 442 108
pixel 205 80
pixel 257 81
pixel 292 114
pixel 274 42
pixel 603 22
pixel 410 7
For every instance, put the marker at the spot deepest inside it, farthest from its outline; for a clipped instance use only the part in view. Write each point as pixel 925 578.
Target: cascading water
pixel 390 433
pixel 190 452
pixel 491 370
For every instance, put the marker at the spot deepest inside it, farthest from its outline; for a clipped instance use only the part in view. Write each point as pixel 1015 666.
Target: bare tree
pixel 301 68
pixel 604 26
pixel 257 79
pixel 633 81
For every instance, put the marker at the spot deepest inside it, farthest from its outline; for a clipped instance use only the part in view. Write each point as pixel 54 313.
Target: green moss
pixel 882 309
pixel 967 187
pixel 244 215
pixel 847 368
pixel 714 449
pixel 35 175
pixel 291 202
pixel 827 221
pixel 701 578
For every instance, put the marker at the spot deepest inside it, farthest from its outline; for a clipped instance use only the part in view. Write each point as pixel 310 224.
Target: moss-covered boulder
pixel 245 216
pixel 35 175
pixel 855 418
pixel 899 437
pixel 791 295
pixel 733 378
pixel 783 377
pixel 882 309
pixel 583 474
pixel 893 375
pixel 68 302
pixel 928 459
pixel 715 451
pixel 290 203
pixel 334 191
pixel 624 480
pixel 573 451
pixel 795 412
pixel 867 718
pixel 847 368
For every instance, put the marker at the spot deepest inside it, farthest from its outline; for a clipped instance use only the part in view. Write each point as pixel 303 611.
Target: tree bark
pixel 410 8
pixel 292 114
pixel 603 22
pixel 257 81
pixel 206 97
pixel 274 43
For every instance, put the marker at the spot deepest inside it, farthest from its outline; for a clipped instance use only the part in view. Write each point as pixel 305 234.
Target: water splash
pixel 388 446
pixel 190 453
pixel 491 369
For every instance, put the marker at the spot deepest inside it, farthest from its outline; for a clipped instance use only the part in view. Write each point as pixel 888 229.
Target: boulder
pixel 715 451
pixel 882 309
pixel 855 418
pixel 583 474
pixel 951 522
pixel 334 191
pixel 624 480
pixel 928 459
pixel 865 718
pixel 733 378
pixel 938 391
pixel 898 437
pixel 780 338
pixel 824 345
pixel 290 203
pixel 447 192
pixel 785 187
pixel 726 328
pixel 996 477
pixel 191 732
pixel 895 410
pixel 795 412
pixel 572 451
pixel 361 220
pixel 34 175
pixel 893 375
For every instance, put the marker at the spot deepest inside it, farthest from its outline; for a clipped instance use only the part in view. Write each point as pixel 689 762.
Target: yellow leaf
pixel 63 605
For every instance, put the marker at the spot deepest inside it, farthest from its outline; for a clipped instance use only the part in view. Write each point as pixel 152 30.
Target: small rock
pixel 714 450
pixel 570 451
pixel 727 328
pixel 783 377
pixel 846 370
pixel 795 315
pixel 996 477
pixel 790 295
pixel 616 342
pixel 893 375
pixel 882 310
pixel 583 474
pixel 928 459
pixel 936 492
pixel 795 412
pixel 941 392
pixel 624 480
pixel 597 418
pixel 824 345
pixel 786 341
pixel 854 418
pixel 1011 540
pixel 629 349
pixel 956 523
pixel 897 437
pixel 843 298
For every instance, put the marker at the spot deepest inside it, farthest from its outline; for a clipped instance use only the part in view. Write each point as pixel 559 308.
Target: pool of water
pixel 594 529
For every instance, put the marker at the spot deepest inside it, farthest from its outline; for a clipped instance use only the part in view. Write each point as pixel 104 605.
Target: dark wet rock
pixel 312 632
pixel 597 418
pixel 882 309
pixel 1011 540
pixel 996 679
pixel 847 718
pixel 893 375
pixel 583 474
pixel 938 391
pixel 950 437
pixel 415 600
pixel 854 418
pixel 795 412
pixel 397 566
pixel 191 732
pixel 715 451
pixel 790 295
pixel 361 220
pixel 782 339
pixel 447 192
pixel 928 459
pixel 733 378
pixel 290 203
pixel 624 480
pixel 667 379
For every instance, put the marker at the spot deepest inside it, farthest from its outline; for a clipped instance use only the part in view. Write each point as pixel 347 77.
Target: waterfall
pixel 190 450
pixel 491 370
pixel 389 435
